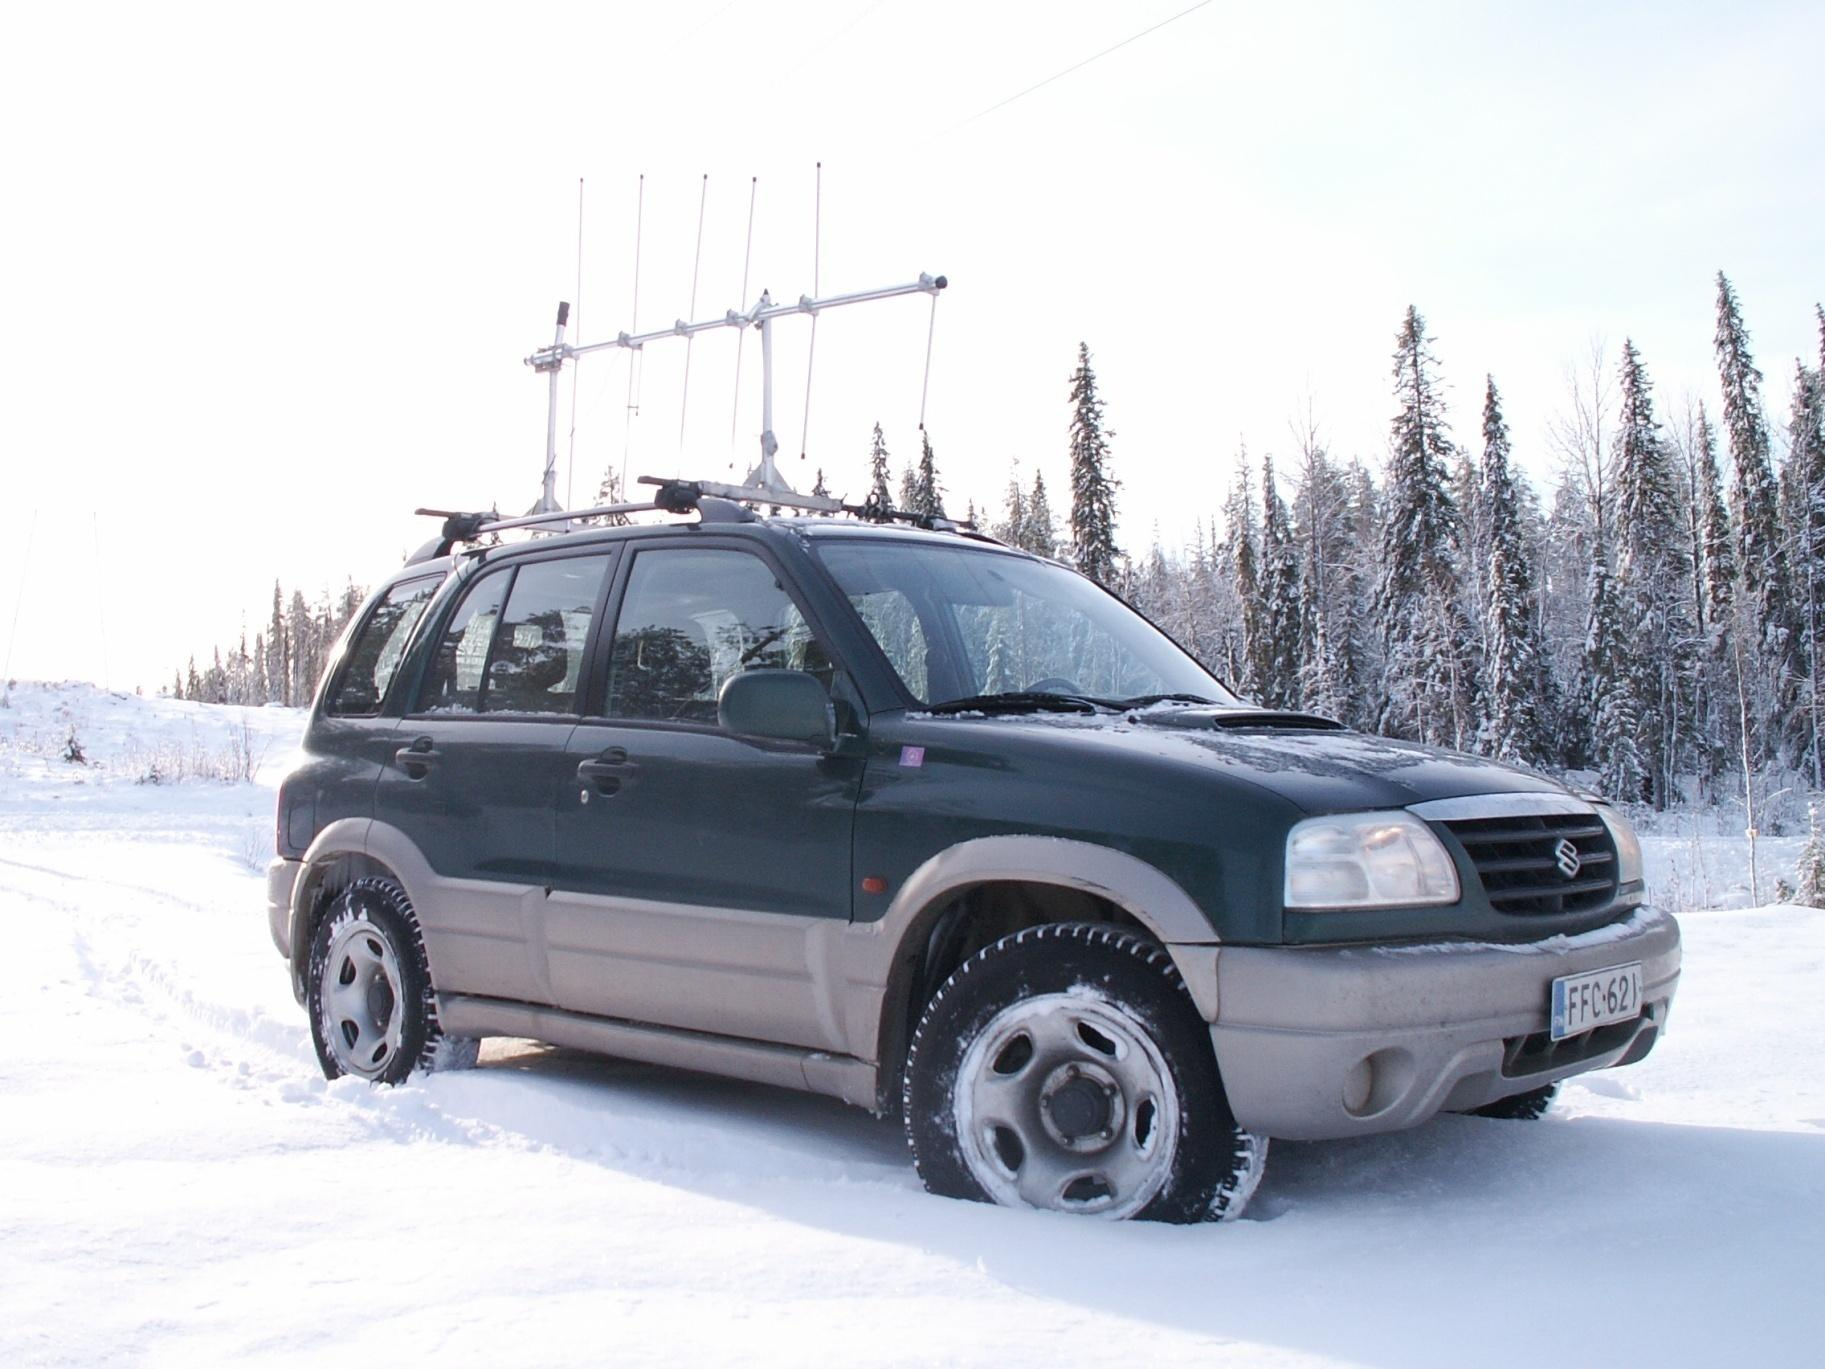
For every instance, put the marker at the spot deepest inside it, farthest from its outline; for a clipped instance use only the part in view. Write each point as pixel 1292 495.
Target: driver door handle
pixel 608 772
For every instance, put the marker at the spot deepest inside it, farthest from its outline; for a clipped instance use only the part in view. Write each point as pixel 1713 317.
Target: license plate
pixel 1597 997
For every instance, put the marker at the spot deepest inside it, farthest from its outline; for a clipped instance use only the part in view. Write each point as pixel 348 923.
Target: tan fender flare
pixel 344 837
pixel 879 964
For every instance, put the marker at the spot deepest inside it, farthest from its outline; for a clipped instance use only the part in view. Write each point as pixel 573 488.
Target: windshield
pixel 958 624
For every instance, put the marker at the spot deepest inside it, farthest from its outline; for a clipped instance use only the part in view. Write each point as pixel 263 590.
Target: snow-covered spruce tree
pixel 1719 550
pixel 1011 527
pixel 1093 548
pixel 609 491
pixel 1472 546
pixel 1199 585
pixel 1519 689
pixel 1805 470
pixel 1656 643
pixel 301 632
pixel 909 489
pixel 1041 533
pixel 1707 542
pixel 1809 874
pixel 878 488
pixel 278 660
pixel 819 487
pixel 1608 698
pixel 1429 674
pixel 1330 609
pixel 1246 649
pixel 1362 573
pixel 927 493
pixel 1279 618
pixel 1761 562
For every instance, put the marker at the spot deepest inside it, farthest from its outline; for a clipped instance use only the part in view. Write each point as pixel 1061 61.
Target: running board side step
pixel 837 1076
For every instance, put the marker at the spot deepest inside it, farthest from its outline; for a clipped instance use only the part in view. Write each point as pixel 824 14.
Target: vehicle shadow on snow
pixel 1410 1249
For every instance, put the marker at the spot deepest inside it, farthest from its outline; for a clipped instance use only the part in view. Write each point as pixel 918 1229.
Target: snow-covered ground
pixel 179 1185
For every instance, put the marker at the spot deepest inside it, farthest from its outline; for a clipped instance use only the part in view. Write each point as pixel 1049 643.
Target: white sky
pixel 269 272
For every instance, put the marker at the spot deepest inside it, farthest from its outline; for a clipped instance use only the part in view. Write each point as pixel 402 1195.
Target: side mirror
pixel 786 705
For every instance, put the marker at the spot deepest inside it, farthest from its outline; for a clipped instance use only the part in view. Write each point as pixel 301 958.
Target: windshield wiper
pixel 1020 701
pixel 1147 700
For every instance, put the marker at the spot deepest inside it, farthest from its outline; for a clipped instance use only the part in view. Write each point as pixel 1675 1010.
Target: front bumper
pixel 1323 1042
pixel 281 879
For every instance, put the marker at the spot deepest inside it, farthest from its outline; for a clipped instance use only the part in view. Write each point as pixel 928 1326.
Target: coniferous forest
pixel 1656 619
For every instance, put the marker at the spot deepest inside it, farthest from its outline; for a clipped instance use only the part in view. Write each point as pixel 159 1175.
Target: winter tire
pixel 1064 1067
pixel 371 1008
pixel 1520 1107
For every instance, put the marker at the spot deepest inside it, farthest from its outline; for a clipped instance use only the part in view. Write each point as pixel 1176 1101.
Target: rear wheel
pixel 1065 1068
pixel 369 990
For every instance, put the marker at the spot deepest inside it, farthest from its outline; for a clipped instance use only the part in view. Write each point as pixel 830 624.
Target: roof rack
pixel 713 500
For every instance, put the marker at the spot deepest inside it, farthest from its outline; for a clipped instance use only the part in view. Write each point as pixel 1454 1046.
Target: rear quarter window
pixel 379 645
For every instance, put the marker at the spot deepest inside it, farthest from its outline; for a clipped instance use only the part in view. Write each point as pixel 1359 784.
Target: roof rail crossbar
pixel 677 496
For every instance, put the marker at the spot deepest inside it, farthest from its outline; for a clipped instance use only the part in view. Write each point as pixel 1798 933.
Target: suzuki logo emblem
pixel 1565 855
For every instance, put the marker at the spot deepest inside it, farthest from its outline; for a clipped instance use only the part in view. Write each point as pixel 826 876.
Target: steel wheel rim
pixel 1064 1102
pixel 362 1000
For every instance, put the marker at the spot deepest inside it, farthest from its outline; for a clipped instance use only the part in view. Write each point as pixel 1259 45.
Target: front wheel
pixel 369 990
pixel 1065 1068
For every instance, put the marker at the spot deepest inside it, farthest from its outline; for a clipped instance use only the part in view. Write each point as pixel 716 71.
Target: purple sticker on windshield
pixel 912 757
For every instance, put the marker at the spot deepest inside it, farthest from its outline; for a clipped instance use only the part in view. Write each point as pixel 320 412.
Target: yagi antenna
pixel 550 361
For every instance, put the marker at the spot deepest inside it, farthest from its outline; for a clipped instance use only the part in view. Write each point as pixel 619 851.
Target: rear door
pixel 698 872
pixel 479 765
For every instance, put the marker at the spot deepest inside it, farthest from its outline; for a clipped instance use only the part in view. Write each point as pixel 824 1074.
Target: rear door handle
pixel 417 759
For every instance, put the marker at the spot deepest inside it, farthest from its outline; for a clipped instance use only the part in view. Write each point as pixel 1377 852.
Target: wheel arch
pixel 338 856
pixel 980 890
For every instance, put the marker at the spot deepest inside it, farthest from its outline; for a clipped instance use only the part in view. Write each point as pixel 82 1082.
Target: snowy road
pixel 179 1185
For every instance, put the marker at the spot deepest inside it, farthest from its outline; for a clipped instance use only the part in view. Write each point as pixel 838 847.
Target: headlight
pixel 1367 860
pixel 1629 867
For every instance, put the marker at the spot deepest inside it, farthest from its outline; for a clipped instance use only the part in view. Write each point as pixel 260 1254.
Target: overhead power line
pixel 1060 75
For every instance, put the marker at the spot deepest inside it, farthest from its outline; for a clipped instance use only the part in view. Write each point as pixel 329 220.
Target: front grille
pixel 1518 859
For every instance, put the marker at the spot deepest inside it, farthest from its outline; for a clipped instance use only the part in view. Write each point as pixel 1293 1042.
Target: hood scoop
pixel 1237 720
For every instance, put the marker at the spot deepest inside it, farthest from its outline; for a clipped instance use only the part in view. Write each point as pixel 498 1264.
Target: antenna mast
pixel 550 361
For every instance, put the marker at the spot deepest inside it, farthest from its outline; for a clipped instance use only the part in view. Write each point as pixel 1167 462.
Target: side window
pixel 538 653
pixel 379 644
pixel 691 619
pixel 453 684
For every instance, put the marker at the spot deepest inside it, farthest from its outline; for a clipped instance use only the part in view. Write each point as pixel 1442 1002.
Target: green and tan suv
pixel 940 828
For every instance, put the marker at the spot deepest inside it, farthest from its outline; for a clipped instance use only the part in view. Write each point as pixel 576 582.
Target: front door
pixel 699 873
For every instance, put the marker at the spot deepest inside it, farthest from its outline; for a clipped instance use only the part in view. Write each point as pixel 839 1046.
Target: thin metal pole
pixel 633 362
pixel 769 444
pixel 931 330
pixel 548 490
pixel 742 336
pixel 817 262
pixel 576 379
pixel 684 398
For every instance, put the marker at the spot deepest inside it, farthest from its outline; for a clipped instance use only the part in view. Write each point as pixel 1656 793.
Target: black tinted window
pixel 378 647
pixel 453 684
pixel 537 658
pixel 690 620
